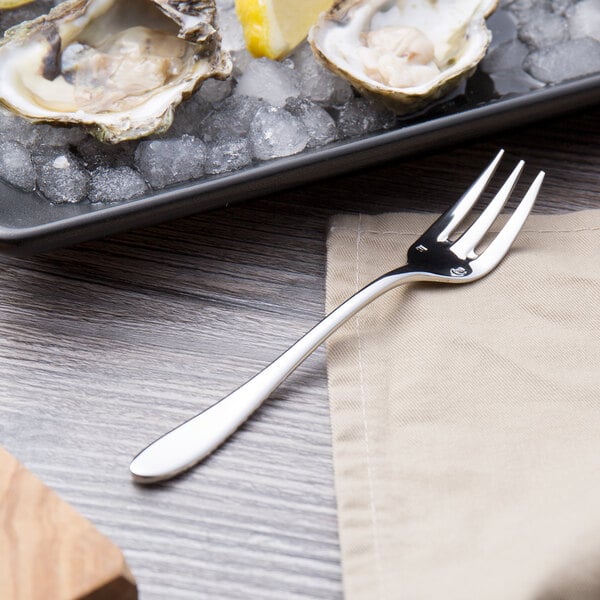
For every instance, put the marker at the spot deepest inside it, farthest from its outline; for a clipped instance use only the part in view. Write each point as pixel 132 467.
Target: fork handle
pixel 193 440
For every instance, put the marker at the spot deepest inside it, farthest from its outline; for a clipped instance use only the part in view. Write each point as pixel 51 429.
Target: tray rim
pixel 277 174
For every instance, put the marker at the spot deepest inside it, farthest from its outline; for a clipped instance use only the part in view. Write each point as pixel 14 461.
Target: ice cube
pixel 514 82
pixel 115 184
pixel 170 161
pixel 94 153
pixel 34 135
pixel 232 117
pixel 54 135
pixel 16 129
pixel 275 132
pixel 269 80
pixel 318 122
pixel 231 30
pixel 544 29
pixel 360 116
pixel 188 116
pixel 16 166
pixel 569 60
pixel 560 6
pixel 228 154
pixel 522 9
pixel 509 55
pixel 584 19
pixel 61 178
pixel 503 24
pixel 317 83
pixel 241 59
pixel 215 91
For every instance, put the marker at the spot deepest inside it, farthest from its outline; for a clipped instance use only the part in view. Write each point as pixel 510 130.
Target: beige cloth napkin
pixel 466 419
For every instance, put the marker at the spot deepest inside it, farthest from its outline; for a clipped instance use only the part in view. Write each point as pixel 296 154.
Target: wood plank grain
pixel 48 550
pixel 106 345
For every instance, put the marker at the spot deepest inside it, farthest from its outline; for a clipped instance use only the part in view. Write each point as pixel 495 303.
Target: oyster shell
pixel 118 67
pixel 408 53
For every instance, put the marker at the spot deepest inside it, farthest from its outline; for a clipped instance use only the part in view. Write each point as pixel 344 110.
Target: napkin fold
pixel 466 419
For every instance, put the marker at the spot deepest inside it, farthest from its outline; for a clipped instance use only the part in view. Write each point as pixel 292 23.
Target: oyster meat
pixel 119 67
pixel 405 52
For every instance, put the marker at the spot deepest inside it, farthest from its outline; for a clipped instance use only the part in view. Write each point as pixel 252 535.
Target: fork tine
pixel 499 246
pixel 448 222
pixel 465 246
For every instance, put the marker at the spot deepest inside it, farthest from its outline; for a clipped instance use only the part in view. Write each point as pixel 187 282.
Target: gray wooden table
pixel 105 345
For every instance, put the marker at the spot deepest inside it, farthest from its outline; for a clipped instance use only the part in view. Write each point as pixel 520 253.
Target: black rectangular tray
pixel 29 224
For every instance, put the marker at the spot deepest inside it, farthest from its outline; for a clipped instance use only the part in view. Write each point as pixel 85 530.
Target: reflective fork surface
pixel 434 257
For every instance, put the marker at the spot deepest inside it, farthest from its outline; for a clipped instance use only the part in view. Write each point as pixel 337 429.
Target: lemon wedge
pixel 6 4
pixel 273 28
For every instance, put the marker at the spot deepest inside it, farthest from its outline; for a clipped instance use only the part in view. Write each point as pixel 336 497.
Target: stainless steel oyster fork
pixel 434 257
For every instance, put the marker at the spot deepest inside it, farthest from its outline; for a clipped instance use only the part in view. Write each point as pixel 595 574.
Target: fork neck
pixel 437 258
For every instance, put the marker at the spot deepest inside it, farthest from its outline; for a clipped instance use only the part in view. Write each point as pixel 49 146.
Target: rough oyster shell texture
pixel 407 53
pixel 118 67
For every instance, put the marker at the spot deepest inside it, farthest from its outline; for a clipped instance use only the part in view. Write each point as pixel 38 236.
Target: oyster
pixel 406 52
pixel 118 67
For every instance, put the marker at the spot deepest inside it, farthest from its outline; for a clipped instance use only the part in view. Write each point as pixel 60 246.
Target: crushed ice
pixel 273 109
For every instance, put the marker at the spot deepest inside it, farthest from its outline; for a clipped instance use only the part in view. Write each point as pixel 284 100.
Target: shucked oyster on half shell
pixel 119 67
pixel 406 52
